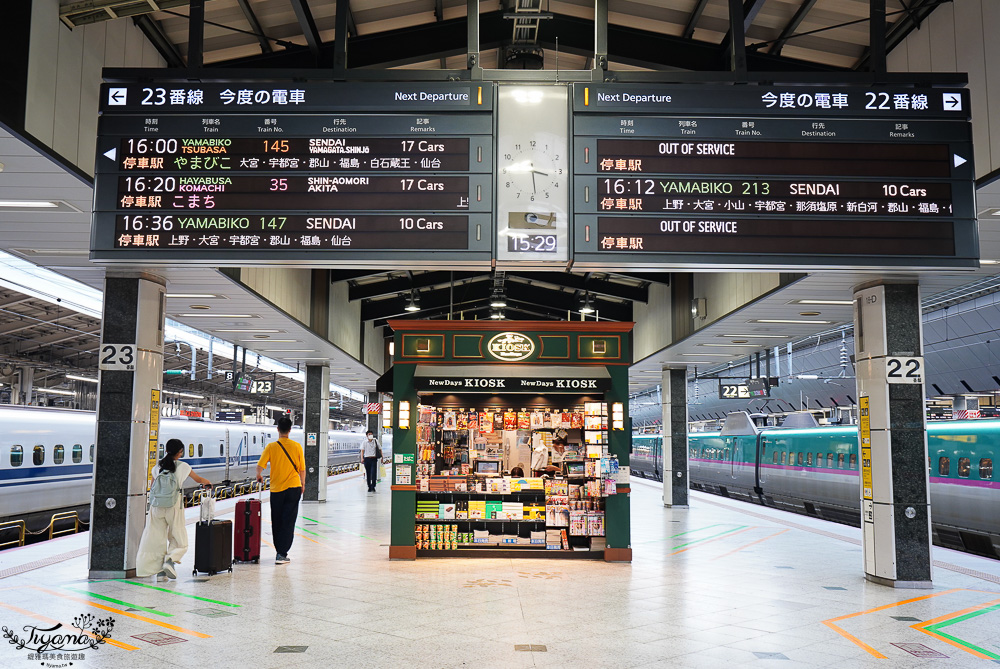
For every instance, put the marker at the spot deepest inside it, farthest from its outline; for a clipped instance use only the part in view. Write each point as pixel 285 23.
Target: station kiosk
pixel 510 442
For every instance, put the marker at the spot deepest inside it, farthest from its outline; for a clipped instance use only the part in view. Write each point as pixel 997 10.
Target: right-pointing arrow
pixel 959 160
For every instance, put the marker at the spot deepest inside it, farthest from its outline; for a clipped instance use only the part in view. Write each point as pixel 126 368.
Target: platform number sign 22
pixel 904 370
pixel 118 357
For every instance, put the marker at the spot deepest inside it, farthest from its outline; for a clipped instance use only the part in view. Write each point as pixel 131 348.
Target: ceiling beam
pixel 395 306
pixel 917 13
pixel 791 27
pixel 154 33
pixel 308 25
pixel 258 31
pixel 337 275
pixel 401 284
pixel 579 282
pixel 562 301
pixel 652 277
pixel 441 39
pixel 696 13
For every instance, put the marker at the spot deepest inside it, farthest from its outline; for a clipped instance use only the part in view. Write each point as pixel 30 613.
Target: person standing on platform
pixel 288 480
pixel 164 539
pixel 371 453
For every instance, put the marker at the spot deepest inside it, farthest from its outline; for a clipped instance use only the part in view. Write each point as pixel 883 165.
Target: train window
pixel 58 454
pixel 160 452
pixel 964 467
pixel 774 457
pixel 221 452
pixel 38 455
pixel 809 459
pixel 255 439
pixel 190 450
pixel 727 455
pixel 77 453
pixel 854 460
pixel 944 466
pixel 784 456
pixel 800 459
pixel 986 468
pixel 16 456
pixel 201 450
pixel 829 460
pixel 92 452
pixel 840 460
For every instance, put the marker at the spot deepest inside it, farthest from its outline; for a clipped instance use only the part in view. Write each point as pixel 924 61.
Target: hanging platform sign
pixel 252 173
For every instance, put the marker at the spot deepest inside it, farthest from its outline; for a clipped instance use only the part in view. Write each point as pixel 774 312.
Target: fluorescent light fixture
pixel 196 296
pixel 731 345
pixel 702 355
pixel 989 262
pixel 81 378
pixel 789 320
pixel 179 394
pixel 699 362
pixel 755 336
pixel 268 340
pixel 28 204
pixel 288 350
pixel 216 315
pixel 807 376
pixel 274 408
pixel 245 329
pixel 845 303
pixel 55 391
pixel 242 404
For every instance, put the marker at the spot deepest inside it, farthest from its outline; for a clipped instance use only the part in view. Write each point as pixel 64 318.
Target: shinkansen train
pixel 47 456
pixel 815 471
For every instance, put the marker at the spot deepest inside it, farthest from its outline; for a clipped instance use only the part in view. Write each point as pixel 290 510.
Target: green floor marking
pixel 690 531
pixel 308 531
pixel 709 537
pixel 179 594
pixel 937 630
pixel 119 602
pixel 313 520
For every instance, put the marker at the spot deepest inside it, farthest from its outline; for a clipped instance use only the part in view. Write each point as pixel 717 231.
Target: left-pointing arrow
pixel 111 153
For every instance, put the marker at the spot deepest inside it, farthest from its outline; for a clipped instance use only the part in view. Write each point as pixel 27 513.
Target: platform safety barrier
pixel 9 525
pixel 68 515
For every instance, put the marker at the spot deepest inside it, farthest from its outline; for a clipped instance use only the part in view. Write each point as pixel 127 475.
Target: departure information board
pixel 356 174
pixel 782 177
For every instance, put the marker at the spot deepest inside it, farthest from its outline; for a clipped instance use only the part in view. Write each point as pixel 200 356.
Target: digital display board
pixel 779 177
pixel 355 174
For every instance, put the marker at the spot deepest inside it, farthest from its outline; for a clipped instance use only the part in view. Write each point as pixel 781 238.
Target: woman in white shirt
pixel 164 540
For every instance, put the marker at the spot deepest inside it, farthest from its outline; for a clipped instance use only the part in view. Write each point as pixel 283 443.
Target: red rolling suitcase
pixel 246 538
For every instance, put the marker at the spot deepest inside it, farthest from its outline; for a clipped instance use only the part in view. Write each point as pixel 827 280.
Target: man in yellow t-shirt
pixel 288 480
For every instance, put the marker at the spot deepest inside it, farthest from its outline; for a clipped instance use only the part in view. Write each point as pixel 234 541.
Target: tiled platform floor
pixel 721 584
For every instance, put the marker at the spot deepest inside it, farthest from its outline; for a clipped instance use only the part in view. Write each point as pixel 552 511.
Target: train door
pixel 731 446
pixel 244 453
pixel 224 450
pixel 762 460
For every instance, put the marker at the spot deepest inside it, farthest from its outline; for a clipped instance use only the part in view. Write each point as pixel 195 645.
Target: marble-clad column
pixel 675 448
pixel 316 425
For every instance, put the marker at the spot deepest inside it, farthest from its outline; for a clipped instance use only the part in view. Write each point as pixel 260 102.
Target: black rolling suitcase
pixel 213 546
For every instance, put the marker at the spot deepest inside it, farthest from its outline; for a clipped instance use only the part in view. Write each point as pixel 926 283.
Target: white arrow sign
pixel 111 153
pixel 117 96
pixel 952 101
pixel 959 160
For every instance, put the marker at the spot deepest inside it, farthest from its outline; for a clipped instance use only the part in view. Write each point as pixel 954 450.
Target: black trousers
pixel 284 510
pixel 371 472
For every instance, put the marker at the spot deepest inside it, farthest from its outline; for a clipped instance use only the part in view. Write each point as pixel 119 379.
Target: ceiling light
pixel 413 304
pixel 702 355
pixel 809 313
pixel 200 306
pixel 756 336
pixel 81 378
pixel 274 408
pixel 588 306
pixel 216 316
pixel 498 301
pixel 245 330
pixel 989 262
pixel 54 391
pixel 735 343
pixel 179 394
pixel 739 341
pixel 242 404
pixel 497 314
pixel 257 340
pixel 288 350
pixel 195 296
pixel 845 303
pixel 789 320
pixel 28 204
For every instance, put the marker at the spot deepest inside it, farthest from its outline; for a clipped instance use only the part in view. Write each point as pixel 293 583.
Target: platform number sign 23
pixel 118 357
pixel 904 370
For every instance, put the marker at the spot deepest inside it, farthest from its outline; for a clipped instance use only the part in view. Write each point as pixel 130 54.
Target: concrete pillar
pixel 25 385
pixel 316 425
pixel 895 497
pixel 675 448
pixel 127 419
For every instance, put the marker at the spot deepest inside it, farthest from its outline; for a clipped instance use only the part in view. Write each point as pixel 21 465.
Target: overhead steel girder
pixel 580 282
pixel 400 284
pixel 392 307
pixel 561 301
pixel 308 25
pixel 430 41
pixel 918 12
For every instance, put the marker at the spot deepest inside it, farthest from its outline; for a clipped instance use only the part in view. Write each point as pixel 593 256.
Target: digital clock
pixel 537 243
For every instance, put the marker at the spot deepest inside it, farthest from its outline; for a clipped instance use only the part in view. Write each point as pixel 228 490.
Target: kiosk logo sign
pixel 511 347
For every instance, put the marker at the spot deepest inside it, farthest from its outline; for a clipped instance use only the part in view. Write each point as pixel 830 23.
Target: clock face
pixel 532 174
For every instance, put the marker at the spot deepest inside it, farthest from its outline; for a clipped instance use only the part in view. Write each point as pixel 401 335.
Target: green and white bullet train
pixel 815 471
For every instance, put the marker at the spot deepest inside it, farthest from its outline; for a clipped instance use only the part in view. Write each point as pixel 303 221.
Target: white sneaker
pixel 168 568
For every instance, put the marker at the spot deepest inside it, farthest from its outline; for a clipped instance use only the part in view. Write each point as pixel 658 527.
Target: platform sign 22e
pixel 865 435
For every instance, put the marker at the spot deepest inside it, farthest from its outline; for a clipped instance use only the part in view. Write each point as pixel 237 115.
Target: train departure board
pixel 780 177
pixel 352 174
